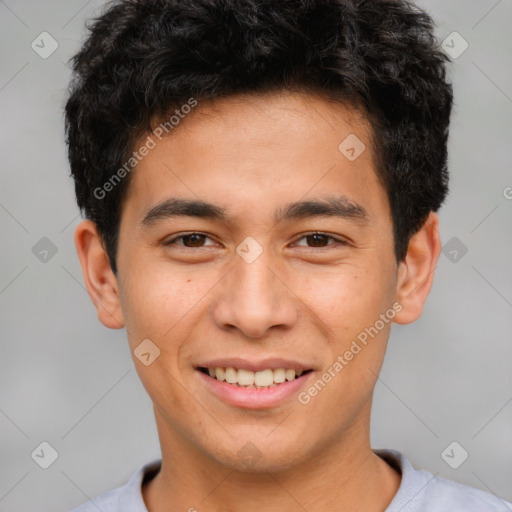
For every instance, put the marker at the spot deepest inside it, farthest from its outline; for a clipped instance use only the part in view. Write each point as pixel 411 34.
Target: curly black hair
pixel 144 58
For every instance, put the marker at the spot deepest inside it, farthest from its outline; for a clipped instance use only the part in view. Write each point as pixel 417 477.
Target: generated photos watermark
pixel 304 397
pixel 150 143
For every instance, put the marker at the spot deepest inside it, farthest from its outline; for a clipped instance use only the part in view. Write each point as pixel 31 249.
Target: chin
pixel 261 455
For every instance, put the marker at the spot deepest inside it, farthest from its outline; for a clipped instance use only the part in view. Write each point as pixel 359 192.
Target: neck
pixel 344 476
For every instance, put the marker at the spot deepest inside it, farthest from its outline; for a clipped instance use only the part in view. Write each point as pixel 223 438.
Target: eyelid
pixel 338 241
pixel 172 240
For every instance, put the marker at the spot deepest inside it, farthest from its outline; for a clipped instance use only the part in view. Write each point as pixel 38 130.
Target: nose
pixel 255 298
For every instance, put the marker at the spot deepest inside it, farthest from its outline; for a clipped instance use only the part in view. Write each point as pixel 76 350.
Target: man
pixel 260 181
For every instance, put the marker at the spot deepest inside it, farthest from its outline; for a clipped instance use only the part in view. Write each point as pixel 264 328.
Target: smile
pixel 247 378
pixel 250 385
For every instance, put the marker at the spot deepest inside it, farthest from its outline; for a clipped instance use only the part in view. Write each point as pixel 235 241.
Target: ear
pixel 416 272
pixel 100 281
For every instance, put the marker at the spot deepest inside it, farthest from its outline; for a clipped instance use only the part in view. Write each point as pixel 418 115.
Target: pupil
pixel 196 240
pixel 318 239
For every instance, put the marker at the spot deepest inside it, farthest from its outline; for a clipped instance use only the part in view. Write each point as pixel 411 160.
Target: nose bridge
pixel 255 280
pixel 254 298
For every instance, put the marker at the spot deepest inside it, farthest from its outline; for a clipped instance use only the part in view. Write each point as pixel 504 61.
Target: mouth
pixel 245 378
pixel 254 384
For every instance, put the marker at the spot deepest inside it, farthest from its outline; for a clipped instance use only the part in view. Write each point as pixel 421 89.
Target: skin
pixel 253 155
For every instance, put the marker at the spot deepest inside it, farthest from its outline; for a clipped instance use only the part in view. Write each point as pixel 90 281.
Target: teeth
pixel 279 375
pixel 220 373
pixel 245 377
pixel 231 376
pixel 290 374
pixel 264 378
pixel 250 379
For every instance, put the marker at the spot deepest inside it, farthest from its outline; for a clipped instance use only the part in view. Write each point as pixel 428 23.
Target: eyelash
pixel 337 240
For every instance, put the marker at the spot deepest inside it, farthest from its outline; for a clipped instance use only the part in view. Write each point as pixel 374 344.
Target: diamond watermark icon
pixel 249 250
pixel 44 455
pixel 351 147
pixel 44 250
pixel 454 455
pixel 146 352
pixel 454 249
pixel 44 45
pixel 249 455
pixel 455 45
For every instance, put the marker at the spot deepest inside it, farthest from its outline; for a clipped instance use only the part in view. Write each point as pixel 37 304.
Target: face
pixel 288 268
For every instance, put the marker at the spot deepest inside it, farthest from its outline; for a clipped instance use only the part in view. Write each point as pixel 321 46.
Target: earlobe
pixel 416 272
pixel 100 281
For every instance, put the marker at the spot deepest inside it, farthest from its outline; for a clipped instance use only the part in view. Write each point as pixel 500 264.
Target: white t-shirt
pixel 419 491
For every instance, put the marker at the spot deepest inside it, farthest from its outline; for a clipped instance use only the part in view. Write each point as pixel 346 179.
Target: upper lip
pixel 255 366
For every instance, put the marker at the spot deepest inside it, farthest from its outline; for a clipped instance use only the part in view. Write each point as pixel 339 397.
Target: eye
pixel 320 240
pixel 189 240
pixel 197 240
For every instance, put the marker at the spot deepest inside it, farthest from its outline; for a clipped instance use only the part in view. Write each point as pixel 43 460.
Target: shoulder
pixel 107 502
pixel 126 497
pixel 422 491
pixel 452 494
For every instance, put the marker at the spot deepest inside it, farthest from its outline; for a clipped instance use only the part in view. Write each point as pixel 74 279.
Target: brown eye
pixel 190 240
pixel 194 240
pixel 320 240
pixel 317 240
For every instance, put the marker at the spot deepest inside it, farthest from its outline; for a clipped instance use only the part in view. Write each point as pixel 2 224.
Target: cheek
pixel 349 304
pixel 156 302
pixel 348 298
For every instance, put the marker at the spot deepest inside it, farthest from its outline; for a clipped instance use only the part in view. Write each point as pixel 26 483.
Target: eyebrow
pixel 339 206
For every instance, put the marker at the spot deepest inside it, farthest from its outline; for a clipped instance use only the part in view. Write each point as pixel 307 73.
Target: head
pixel 256 125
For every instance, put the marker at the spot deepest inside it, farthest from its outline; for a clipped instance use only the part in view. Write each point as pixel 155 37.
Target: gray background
pixel 68 380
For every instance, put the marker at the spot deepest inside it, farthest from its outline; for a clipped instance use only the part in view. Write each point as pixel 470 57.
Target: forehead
pixel 266 122
pixel 263 149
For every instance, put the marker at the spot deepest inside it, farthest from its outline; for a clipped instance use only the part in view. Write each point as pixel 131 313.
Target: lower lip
pixel 254 398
